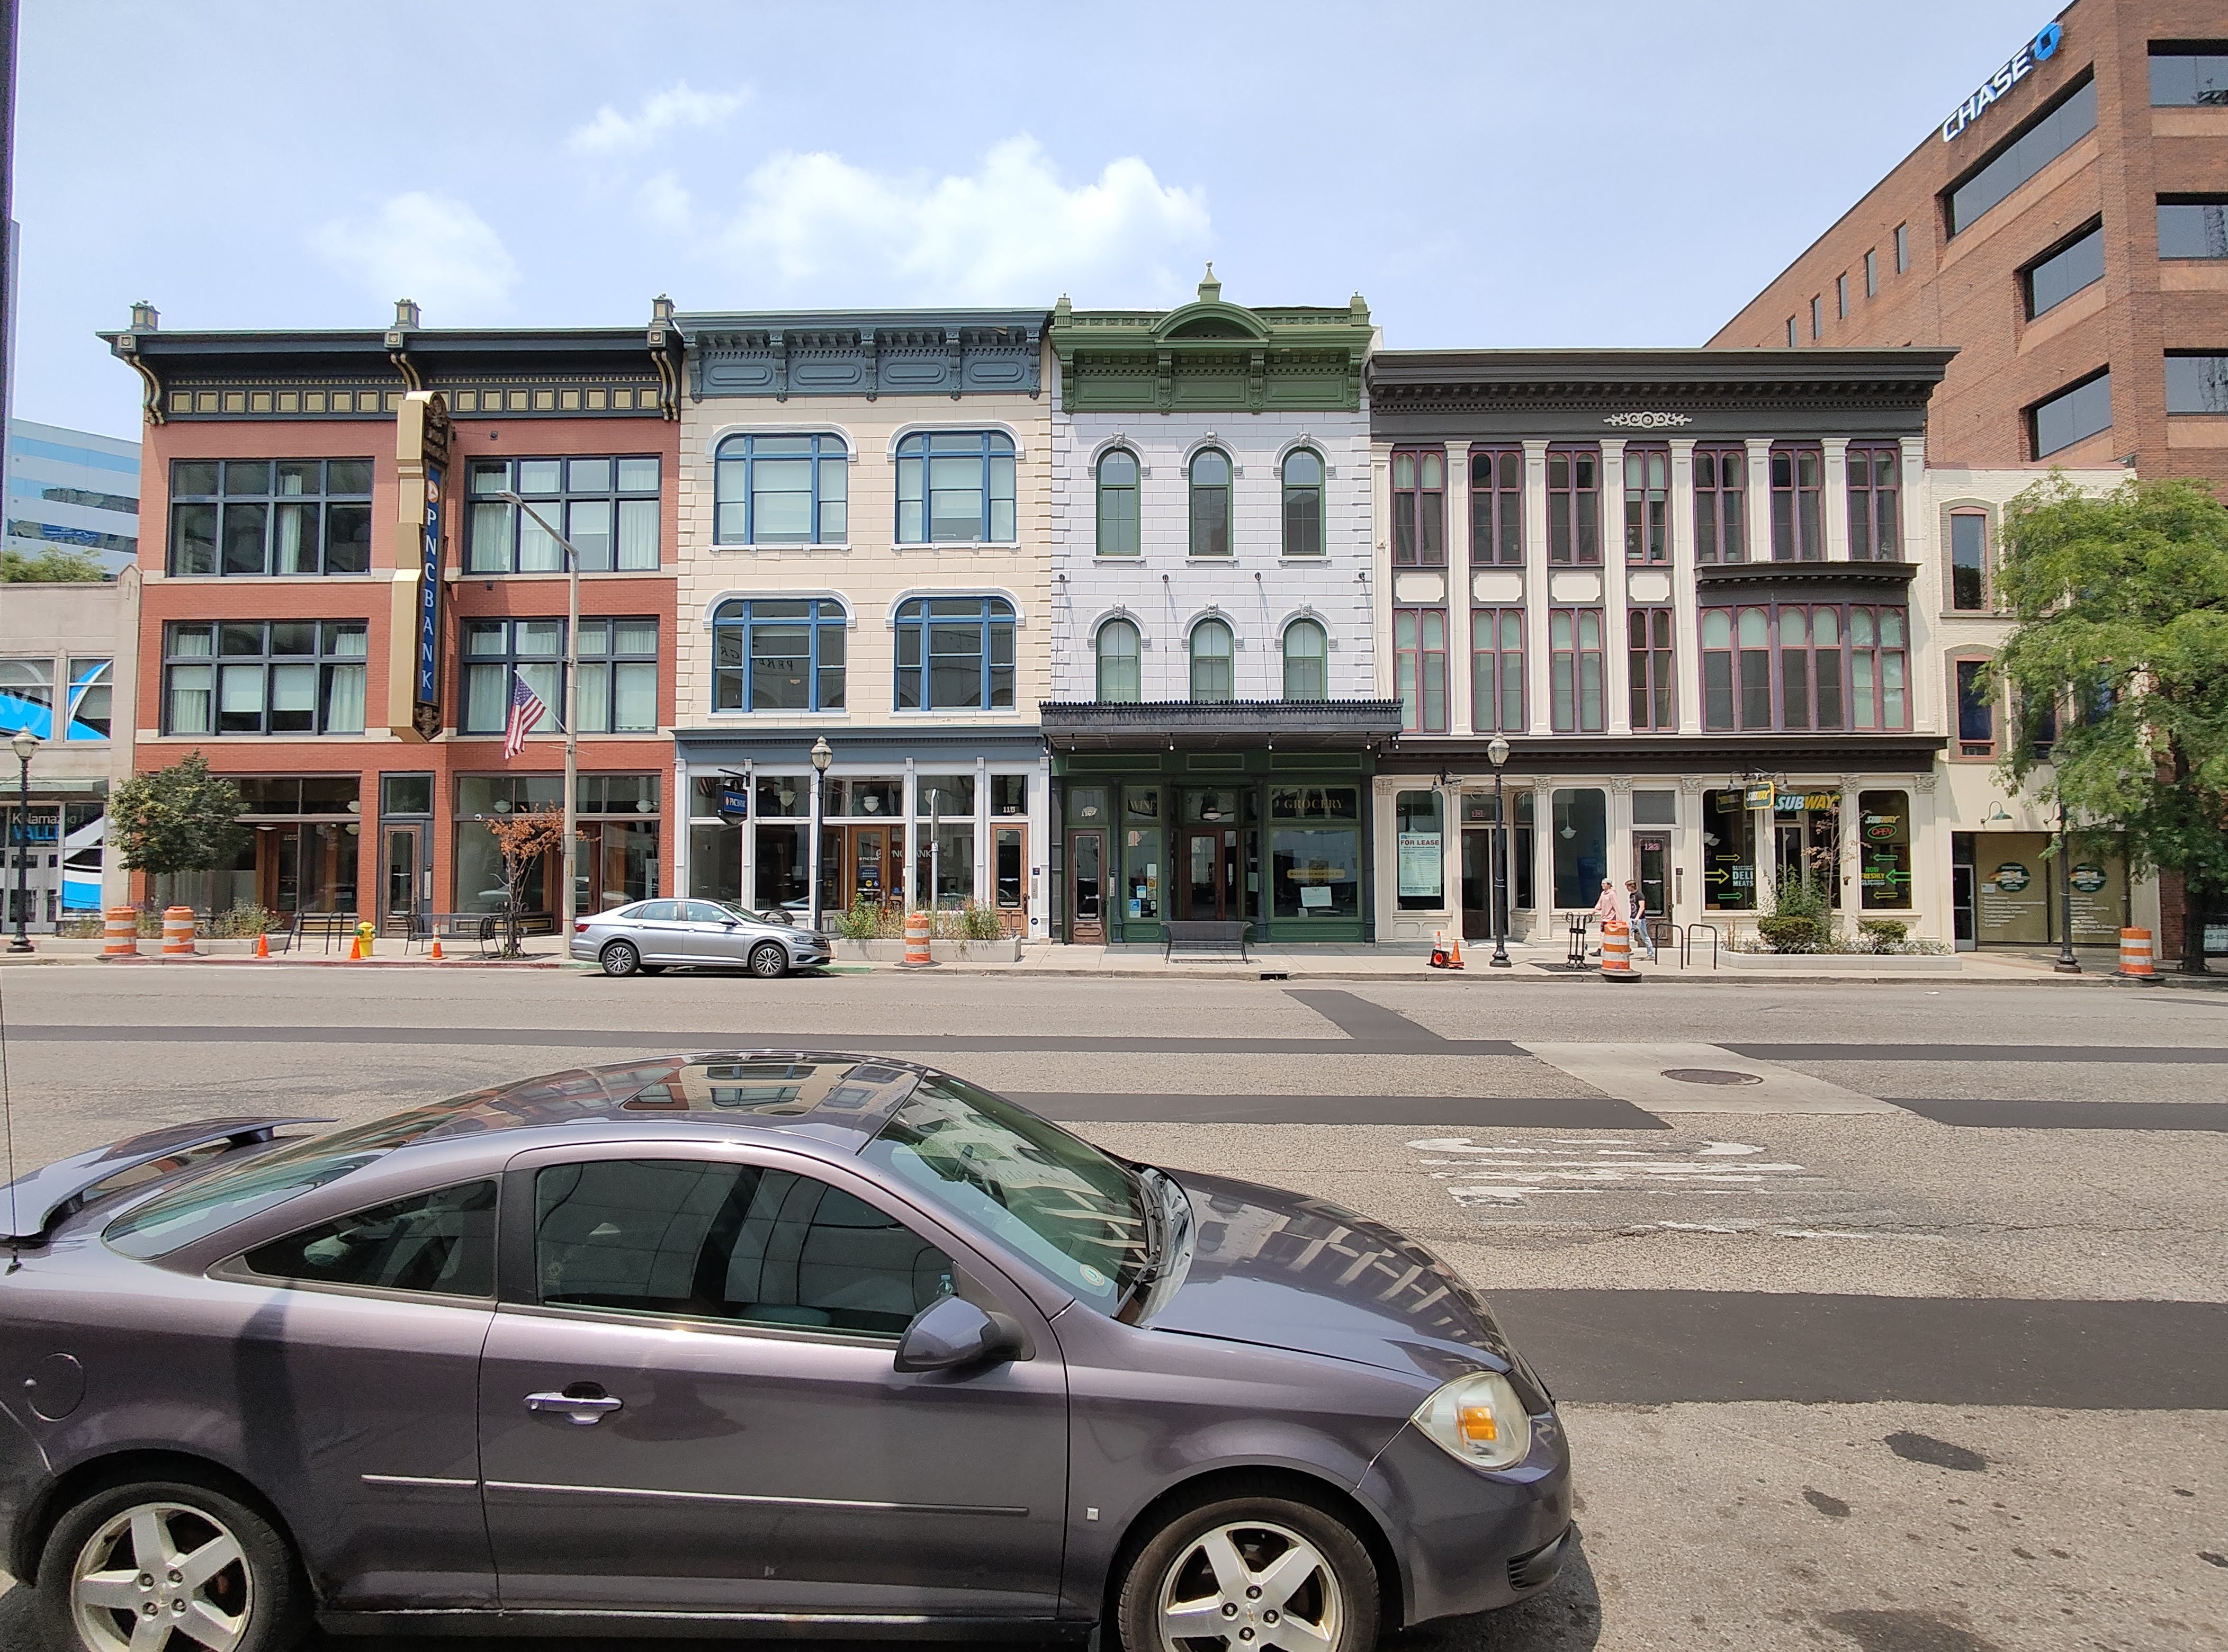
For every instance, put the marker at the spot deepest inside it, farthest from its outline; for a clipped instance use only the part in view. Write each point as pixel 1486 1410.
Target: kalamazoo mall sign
pixel 2040 49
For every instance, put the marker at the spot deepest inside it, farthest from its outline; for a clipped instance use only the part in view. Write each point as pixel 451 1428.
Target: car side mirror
pixel 727 923
pixel 952 1333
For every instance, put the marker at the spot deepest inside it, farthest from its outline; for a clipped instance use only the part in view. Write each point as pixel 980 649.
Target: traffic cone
pixel 1439 950
pixel 436 953
pixel 355 950
pixel 1454 950
pixel 262 945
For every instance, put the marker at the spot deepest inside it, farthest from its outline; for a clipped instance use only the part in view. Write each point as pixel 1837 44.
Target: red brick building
pixel 287 633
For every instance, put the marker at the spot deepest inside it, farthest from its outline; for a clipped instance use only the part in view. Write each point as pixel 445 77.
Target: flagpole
pixel 568 904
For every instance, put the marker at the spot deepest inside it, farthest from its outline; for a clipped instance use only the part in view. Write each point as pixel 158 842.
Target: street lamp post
pixel 2067 963
pixel 1496 751
pixel 822 757
pixel 569 906
pixel 24 746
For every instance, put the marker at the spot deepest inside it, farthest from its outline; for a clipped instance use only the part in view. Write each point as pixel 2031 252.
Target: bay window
pixel 1804 667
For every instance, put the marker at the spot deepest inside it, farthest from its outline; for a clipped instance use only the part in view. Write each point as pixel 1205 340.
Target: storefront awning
pixel 1673 754
pixel 792 746
pixel 1236 725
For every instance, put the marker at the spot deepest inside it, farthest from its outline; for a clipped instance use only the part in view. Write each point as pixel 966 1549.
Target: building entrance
pixel 1651 869
pixel 1208 886
pixel 862 864
pixel 407 880
pixel 1086 874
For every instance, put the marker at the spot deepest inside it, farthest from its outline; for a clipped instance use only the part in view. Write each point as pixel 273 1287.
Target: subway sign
pixel 2040 49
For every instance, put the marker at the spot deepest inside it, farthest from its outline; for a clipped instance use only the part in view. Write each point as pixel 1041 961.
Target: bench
pixel 330 927
pixel 484 927
pixel 1216 937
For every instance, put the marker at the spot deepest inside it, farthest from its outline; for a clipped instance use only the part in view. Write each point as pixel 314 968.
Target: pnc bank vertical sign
pixel 2040 49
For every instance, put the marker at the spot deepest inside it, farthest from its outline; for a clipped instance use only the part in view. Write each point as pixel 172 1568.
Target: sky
pixel 1623 172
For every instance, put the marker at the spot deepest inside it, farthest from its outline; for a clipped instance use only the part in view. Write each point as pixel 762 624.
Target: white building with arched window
pixel 1212 718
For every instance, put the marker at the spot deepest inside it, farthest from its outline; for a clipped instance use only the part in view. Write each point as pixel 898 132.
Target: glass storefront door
pixel 401 890
pixel 1651 869
pixel 1208 864
pixel 1086 871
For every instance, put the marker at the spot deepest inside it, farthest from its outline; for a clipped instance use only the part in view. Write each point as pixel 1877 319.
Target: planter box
pixel 1007 949
pixel 1844 962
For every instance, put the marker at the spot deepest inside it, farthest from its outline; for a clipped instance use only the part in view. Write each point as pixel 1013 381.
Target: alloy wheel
pixel 768 962
pixel 620 958
pixel 162 1577
pixel 1246 1586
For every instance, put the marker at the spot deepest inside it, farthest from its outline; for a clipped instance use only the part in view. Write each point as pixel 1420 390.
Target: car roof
pixel 836 1097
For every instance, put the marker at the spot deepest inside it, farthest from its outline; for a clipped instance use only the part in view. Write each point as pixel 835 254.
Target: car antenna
pixel 7 1133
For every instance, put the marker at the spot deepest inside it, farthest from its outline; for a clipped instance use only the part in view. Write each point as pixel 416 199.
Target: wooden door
pixel 1009 876
pixel 1206 873
pixel 1087 888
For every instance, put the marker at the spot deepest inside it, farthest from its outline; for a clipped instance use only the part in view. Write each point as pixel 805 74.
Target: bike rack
pixel 1687 946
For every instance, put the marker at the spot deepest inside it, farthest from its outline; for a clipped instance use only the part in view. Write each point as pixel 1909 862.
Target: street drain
pixel 1711 1075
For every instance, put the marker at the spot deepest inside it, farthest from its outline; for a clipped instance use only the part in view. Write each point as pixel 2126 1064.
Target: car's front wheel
pixel 620 957
pixel 1247 1573
pixel 768 962
pixel 165 1564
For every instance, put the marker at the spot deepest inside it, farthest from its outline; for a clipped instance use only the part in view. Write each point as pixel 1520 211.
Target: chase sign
pixel 2040 49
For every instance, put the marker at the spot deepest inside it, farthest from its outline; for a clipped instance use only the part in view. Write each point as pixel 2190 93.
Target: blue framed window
pixel 782 490
pixel 779 655
pixel 955 654
pixel 955 486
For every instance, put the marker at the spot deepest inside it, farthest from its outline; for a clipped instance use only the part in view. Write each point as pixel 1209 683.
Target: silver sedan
pixel 653 935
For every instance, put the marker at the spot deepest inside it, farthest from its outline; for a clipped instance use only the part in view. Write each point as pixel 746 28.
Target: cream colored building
pixel 864 509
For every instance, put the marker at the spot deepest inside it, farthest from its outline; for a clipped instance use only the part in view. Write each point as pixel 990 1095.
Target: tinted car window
pixel 728 1242
pixel 441 1242
pixel 652 912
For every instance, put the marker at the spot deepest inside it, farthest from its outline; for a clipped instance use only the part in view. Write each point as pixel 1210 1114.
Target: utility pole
pixel 569 906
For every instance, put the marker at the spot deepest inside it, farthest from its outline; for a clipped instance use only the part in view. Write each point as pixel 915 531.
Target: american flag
pixel 525 710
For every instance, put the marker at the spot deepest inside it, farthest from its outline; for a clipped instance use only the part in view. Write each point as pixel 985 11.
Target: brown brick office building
pixel 285 631
pixel 2066 229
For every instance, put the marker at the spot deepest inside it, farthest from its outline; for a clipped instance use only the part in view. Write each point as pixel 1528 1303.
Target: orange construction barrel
pixel 122 939
pixel 177 931
pixel 916 954
pixel 1617 951
pixel 2136 963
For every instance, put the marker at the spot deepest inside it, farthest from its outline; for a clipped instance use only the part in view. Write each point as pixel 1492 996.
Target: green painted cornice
pixel 1210 356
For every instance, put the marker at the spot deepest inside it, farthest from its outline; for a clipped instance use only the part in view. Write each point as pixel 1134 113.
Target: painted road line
pixel 1470 1112
pixel 1633 1171
pixel 1663 1347
pixel 1715 1080
pixel 2152 1055
pixel 1976 1113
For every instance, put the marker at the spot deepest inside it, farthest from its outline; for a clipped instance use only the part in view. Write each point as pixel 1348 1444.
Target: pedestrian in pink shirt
pixel 1607 907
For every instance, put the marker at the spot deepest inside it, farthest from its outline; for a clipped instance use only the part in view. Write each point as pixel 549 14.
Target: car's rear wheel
pixel 1243 1574
pixel 620 957
pixel 768 962
pixel 168 1567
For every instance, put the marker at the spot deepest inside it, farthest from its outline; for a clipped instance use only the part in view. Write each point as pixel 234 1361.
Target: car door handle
pixel 586 1409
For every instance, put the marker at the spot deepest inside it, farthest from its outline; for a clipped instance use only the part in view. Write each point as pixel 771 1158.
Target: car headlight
pixel 1479 1420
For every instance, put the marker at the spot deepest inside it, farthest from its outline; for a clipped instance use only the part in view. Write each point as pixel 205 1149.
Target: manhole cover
pixel 1711 1075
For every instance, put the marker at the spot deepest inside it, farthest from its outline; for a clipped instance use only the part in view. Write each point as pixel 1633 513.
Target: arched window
pixel 1210 503
pixel 1118 664
pixel 1210 661
pixel 955 654
pixel 955 486
pixel 1117 504
pixel 1303 503
pixel 782 490
pixel 1306 671
pixel 777 654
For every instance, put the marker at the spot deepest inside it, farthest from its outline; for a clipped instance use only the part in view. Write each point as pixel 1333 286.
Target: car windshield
pixel 226 1195
pixel 1022 1180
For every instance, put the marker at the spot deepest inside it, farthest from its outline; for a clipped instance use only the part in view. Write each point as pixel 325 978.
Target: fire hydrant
pixel 364 933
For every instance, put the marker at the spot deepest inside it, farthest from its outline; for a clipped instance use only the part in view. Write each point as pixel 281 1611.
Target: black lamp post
pixel 2067 963
pixel 822 757
pixel 1496 752
pixel 24 745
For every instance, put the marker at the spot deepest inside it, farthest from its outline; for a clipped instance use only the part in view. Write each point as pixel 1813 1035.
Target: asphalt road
pixel 1884 1317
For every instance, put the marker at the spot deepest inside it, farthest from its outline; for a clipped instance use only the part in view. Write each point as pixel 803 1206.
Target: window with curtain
pixel 270 516
pixel 1736 669
pixel 494 648
pixel 1211 676
pixel 778 654
pixel 1721 505
pixel 1117 504
pixel 1210 503
pixel 607 507
pixel 619 677
pixel 1119 677
pixel 1804 666
pixel 1810 680
pixel 782 490
pixel 286 676
pixel 1496 507
pixel 1878 664
pixel 1419 508
pixel 1303 503
pixel 1796 476
pixel 1574 670
pixel 1647 659
pixel 955 487
pixel 1496 670
pixel 1647 504
pixel 1574 506
pixel 955 654
pixel 1875 501
pixel 1307 660
pixel 1419 667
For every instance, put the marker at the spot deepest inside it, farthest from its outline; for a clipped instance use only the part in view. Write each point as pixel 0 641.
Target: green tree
pixel 55 566
pixel 2121 653
pixel 178 819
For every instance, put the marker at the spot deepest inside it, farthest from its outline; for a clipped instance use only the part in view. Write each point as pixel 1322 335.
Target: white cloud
pixel 1009 232
pixel 664 203
pixel 612 133
pixel 427 248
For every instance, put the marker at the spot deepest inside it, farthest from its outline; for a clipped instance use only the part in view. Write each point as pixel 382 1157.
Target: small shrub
pixel 82 929
pixel 869 920
pixel 1801 899
pixel 242 922
pixel 1790 933
pixel 1884 931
